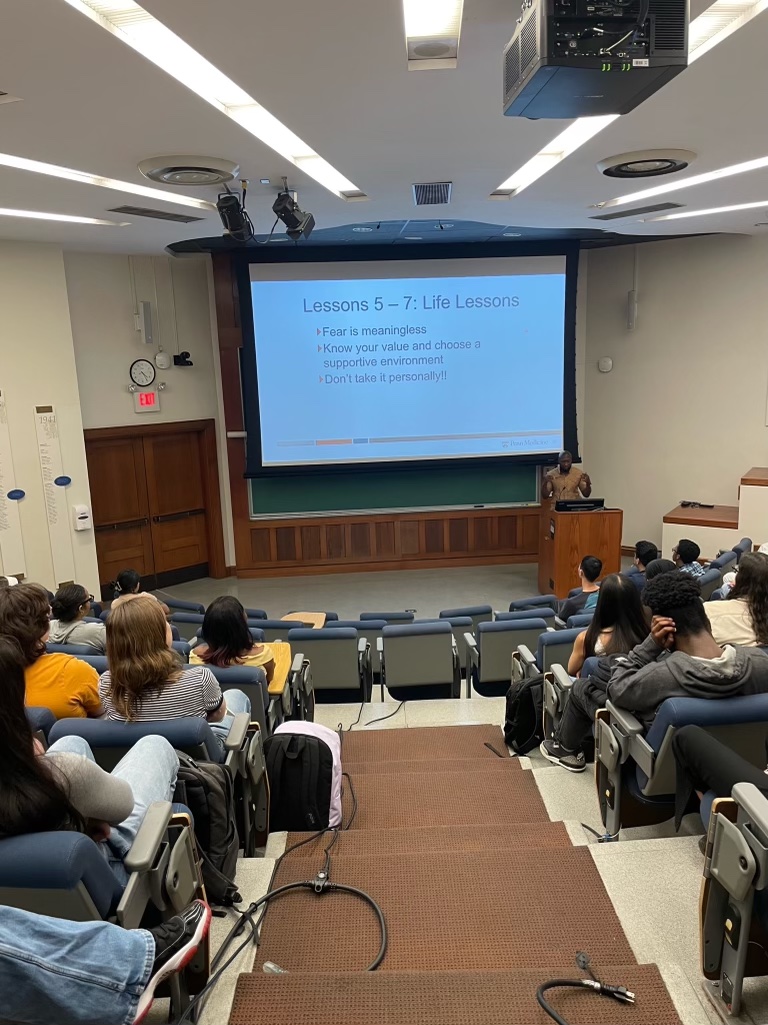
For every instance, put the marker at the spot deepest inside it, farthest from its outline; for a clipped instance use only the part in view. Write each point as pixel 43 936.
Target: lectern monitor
pixel 579 504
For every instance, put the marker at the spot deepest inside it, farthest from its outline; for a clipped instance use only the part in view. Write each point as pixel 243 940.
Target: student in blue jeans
pixel 55 972
pixel 145 680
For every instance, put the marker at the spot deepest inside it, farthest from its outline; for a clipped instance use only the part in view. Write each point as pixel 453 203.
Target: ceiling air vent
pixel 155 215
pixel 654 208
pixel 432 193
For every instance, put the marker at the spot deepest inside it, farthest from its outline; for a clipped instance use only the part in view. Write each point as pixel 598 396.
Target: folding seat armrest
pixel 473 655
pixel 527 656
pixel 298 661
pixel 238 731
pixel 561 678
pixel 143 853
pixel 629 731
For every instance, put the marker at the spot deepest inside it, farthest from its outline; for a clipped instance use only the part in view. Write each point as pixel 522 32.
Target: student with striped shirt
pixel 145 681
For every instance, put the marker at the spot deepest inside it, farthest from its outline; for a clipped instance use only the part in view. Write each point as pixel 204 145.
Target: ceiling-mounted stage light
pixel 297 223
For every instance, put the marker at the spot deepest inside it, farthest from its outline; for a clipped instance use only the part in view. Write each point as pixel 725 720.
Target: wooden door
pixel 120 506
pixel 177 502
pixel 155 501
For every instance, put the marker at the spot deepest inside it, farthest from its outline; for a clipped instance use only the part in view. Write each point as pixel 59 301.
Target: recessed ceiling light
pixel 85 178
pixel 711 27
pixel 646 164
pixel 39 215
pixel 432 31
pixel 362 227
pixel 412 238
pixel 184 170
pixel 264 181
pixel 443 225
pixel 152 39
pixel 512 234
pixel 687 183
pixel 711 210
pixel 563 145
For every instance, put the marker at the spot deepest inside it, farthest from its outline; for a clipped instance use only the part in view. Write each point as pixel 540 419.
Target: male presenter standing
pixel 565 481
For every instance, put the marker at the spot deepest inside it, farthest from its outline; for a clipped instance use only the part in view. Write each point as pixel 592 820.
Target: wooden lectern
pixel 566 537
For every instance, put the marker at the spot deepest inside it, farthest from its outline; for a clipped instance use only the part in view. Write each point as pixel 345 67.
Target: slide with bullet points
pixel 404 368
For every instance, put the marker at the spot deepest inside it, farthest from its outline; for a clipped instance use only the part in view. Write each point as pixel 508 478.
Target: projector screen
pixel 383 362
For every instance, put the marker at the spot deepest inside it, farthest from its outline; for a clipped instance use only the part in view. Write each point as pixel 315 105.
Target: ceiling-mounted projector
pixel 585 58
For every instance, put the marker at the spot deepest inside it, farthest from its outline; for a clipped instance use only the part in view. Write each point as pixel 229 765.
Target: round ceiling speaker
pixel 186 170
pixel 433 48
pixel 646 164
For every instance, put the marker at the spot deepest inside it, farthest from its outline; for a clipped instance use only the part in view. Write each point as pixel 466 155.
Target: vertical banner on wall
pixel 12 560
pixel 54 489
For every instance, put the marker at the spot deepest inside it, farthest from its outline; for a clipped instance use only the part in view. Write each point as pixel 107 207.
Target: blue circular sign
pixel 62 482
pixel 16 494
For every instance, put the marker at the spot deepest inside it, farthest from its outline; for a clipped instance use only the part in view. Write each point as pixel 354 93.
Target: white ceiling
pixel 335 73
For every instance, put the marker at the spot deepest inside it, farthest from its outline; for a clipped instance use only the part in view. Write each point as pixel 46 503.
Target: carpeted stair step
pixel 446 911
pixel 447 998
pixel 450 840
pixel 423 744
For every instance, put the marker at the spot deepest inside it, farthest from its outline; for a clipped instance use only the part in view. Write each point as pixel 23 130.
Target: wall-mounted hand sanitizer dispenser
pixel 81 517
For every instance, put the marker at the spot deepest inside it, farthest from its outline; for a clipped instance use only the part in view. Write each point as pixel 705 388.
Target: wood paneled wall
pixel 354 542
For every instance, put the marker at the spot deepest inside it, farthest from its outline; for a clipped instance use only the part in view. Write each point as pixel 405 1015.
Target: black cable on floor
pixel 317 885
pixel 372 721
pixel 354 801
pixel 618 993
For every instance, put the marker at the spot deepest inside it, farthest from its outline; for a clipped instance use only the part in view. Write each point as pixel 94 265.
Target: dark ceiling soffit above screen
pixel 466 238
pixel 249 378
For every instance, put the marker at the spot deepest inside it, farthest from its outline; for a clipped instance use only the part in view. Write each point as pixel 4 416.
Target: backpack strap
pixel 275 759
pixel 310 776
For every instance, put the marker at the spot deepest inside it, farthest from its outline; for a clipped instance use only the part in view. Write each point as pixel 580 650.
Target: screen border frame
pixel 254 467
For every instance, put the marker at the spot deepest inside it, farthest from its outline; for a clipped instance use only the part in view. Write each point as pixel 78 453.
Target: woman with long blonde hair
pixel 146 681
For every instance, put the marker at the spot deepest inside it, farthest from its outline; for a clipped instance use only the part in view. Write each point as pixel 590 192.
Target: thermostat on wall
pixel 146 401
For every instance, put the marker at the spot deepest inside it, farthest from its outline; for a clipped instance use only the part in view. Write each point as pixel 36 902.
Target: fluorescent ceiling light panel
pixel 432 31
pixel 575 135
pixel 153 40
pixel 712 210
pixel 86 178
pixel 687 183
pixel 719 21
pixel 39 215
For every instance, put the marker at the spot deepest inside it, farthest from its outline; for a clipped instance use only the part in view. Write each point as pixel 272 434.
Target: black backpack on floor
pixel 300 771
pixel 523 729
pixel 207 789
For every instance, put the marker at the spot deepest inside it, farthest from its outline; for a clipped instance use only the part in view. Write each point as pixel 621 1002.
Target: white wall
pixel 682 415
pixel 37 367
pixel 103 291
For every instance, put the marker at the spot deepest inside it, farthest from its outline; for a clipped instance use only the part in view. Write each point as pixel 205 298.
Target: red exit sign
pixel 146 401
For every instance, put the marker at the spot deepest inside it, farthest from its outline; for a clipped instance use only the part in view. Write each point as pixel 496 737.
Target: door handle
pixel 169 517
pixel 126 525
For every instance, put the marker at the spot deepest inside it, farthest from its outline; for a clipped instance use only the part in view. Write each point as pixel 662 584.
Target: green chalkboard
pixel 393 489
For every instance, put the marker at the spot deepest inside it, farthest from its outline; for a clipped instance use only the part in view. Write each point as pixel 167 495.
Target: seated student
pixel 65 788
pixel 645 553
pixel 657 566
pixel 618 624
pixel 680 657
pixel 145 680
pixel 128 586
pixel 228 640
pixel 76 973
pixel 590 569
pixel 70 605
pixel 742 618
pixel 61 683
pixel 684 555
pixel 619 604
